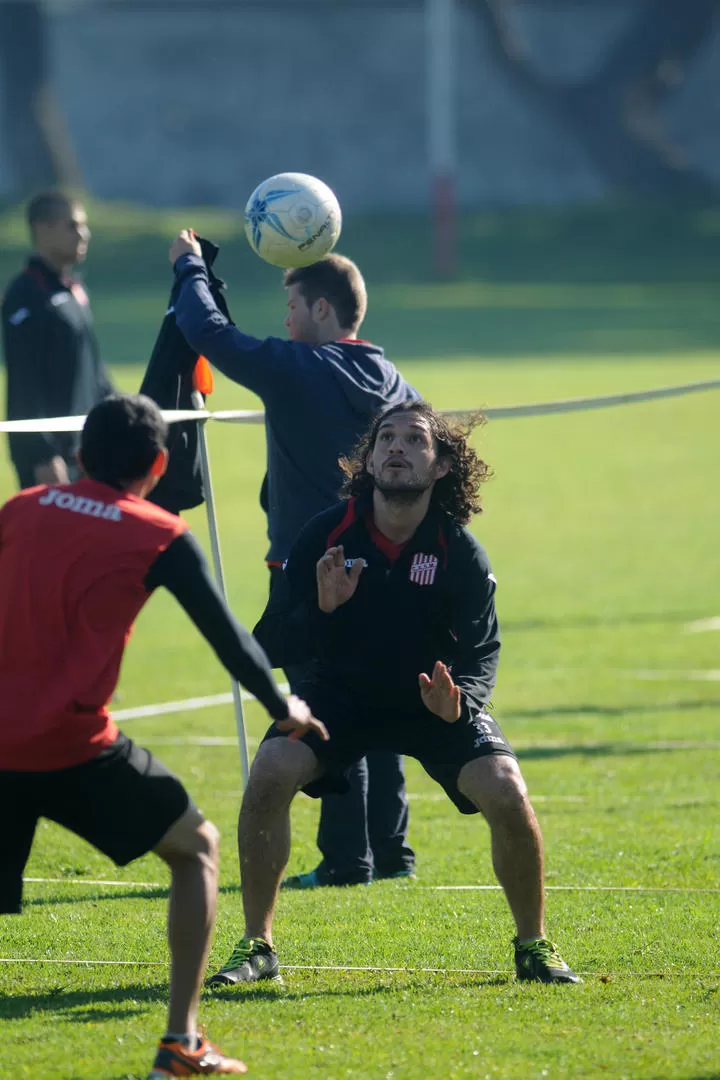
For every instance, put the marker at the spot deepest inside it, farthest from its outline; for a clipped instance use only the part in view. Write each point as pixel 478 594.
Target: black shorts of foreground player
pixel 396 599
pixel 77 563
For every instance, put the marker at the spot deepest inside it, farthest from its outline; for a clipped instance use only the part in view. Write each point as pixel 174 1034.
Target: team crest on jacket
pixel 423 568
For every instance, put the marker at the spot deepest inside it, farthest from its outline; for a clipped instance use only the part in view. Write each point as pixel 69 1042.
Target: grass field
pixel 603 531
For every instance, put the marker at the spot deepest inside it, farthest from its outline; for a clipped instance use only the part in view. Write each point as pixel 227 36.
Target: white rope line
pixel 413 887
pixel 577 888
pixel 352 968
pixel 76 423
pixel 494 412
pixel 605 401
pixel 84 963
pixel 90 881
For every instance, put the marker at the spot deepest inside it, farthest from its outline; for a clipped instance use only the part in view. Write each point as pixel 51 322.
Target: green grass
pixel 603 531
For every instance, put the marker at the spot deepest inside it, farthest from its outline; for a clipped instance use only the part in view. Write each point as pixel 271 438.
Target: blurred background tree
pixel 616 112
pixel 37 142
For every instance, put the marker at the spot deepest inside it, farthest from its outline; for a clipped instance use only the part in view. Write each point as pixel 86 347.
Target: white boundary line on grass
pixel 437 888
pixel 701 626
pixel 187 705
pixel 658 675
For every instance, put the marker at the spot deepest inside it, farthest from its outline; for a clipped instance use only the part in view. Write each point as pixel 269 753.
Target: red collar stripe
pixel 348 519
pixel 443 546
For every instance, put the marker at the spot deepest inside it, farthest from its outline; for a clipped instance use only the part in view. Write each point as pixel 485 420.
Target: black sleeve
pixel 183 569
pixel 292 629
pixel 475 666
pixel 27 342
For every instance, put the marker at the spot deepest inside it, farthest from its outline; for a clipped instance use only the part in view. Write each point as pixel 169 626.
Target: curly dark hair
pixel 457 492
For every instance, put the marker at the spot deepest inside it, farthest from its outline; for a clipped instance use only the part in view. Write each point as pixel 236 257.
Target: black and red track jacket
pixel 52 360
pixel 430 599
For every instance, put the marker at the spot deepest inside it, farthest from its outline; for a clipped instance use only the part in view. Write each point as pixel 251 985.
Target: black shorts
pixel 122 802
pixel 441 748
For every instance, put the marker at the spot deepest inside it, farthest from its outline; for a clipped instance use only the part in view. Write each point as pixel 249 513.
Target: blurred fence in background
pixel 193 102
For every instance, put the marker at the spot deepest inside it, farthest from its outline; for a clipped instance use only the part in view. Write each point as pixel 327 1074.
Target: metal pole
pixel 198 403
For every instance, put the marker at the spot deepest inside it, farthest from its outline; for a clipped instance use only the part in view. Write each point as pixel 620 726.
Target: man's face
pixel 405 458
pixel 65 240
pixel 299 323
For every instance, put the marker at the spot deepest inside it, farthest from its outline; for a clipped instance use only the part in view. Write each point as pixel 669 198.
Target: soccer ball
pixel 292 220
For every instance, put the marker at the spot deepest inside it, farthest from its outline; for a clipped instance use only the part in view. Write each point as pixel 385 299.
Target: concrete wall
pixel 198 103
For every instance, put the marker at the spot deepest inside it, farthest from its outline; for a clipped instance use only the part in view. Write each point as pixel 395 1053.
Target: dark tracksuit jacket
pixel 52 360
pixel 319 401
pixel 169 382
pixel 432 600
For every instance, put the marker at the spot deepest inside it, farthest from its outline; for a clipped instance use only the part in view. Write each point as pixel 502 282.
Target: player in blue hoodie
pixel 320 390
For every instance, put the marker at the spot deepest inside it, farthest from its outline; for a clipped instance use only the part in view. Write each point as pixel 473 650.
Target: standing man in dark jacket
pixel 320 390
pixel 397 598
pixel 51 353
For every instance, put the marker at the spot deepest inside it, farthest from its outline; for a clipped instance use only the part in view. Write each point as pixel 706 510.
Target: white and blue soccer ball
pixel 292 219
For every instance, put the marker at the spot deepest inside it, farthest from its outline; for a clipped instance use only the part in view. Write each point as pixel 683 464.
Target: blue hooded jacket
pixel 319 401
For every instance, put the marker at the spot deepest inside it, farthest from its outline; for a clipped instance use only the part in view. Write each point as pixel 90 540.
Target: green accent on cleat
pixel 252 959
pixel 540 961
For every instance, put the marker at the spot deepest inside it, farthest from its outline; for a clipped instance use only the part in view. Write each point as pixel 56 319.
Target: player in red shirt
pixel 77 563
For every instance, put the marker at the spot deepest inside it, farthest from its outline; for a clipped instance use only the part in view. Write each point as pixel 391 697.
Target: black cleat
pixel 539 961
pixel 252 959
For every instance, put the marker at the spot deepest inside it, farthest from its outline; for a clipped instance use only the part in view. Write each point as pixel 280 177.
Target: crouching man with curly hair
pixel 394 598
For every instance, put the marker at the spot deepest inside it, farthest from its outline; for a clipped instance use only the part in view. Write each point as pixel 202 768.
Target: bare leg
pixel 279 770
pixel 190 848
pixel 495 785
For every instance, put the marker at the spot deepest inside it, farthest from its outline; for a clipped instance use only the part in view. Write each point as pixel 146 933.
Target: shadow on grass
pixel 85 1004
pixel 610 710
pixel 541 753
pixel 161 893
pixel 107 1003
pixel 78 896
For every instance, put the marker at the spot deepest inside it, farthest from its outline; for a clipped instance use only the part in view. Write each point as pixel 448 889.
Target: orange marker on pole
pixel 203 376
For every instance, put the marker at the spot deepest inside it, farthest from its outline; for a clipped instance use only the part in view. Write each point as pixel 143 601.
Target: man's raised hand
pixel 336 584
pixel 300 720
pixel 184 244
pixel 440 694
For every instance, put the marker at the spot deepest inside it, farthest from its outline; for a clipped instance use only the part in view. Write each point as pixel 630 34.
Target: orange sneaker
pixel 174 1059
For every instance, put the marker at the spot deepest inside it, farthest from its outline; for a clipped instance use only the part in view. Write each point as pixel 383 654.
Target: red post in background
pixel 444 226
